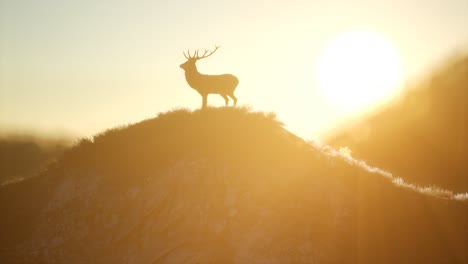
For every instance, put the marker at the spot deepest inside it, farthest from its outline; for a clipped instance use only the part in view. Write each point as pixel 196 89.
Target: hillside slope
pixel 222 185
pixel 423 137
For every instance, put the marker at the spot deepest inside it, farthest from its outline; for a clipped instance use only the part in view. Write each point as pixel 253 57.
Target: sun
pixel 358 70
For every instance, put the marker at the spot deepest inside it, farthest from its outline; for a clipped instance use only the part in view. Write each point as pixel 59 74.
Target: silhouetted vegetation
pixel 221 185
pixel 211 133
pixel 24 157
pixel 423 137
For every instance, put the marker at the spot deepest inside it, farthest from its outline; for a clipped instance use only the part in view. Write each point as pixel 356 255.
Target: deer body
pixel 223 85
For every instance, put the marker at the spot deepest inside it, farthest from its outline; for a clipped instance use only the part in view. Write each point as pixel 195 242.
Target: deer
pixel 223 84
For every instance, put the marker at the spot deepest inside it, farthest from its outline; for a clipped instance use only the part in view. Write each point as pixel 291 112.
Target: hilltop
pixel 223 185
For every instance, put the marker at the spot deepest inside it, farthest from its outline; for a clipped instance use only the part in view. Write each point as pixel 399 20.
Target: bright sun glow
pixel 357 70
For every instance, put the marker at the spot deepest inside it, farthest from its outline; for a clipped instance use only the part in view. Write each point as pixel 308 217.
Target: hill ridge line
pixel 433 191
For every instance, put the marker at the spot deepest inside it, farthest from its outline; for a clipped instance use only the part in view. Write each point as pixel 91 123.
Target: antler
pixel 189 56
pixel 195 56
pixel 206 54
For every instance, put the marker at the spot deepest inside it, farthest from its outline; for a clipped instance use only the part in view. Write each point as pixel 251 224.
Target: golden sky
pixel 80 67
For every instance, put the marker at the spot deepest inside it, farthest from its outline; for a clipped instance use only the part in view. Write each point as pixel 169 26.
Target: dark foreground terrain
pixel 223 185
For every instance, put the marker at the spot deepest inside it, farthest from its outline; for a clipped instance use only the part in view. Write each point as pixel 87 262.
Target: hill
pixel 24 157
pixel 223 185
pixel 423 136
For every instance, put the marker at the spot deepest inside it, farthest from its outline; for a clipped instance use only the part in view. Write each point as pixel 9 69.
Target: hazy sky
pixel 83 66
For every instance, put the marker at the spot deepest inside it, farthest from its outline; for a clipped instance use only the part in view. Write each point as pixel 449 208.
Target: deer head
pixel 191 60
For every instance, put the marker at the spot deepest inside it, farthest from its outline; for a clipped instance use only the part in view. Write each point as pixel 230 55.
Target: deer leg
pixel 204 101
pixel 233 98
pixel 226 99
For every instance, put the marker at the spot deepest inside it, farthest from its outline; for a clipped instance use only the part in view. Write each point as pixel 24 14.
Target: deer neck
pixel 192 76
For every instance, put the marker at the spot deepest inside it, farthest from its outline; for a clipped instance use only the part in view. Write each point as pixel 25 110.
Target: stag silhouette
pixel 223 84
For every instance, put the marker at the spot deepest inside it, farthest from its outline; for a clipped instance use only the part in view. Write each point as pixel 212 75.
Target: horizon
pixel 77 69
